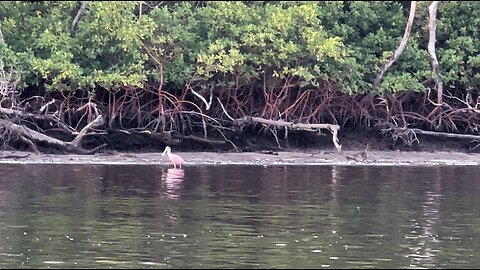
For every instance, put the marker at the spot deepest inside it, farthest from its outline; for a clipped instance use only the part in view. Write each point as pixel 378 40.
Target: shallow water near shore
pixel 153 216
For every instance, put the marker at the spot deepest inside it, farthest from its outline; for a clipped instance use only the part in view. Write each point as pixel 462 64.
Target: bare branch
pixel 98 121
pixel 45 107
pixel 46 117
pixel 198 139
pixel 140 8
pixel 296 126
pixel 29 135
pixel 281 123
pixel 400 49
pixel 79 15
pixel 207 104
pixel 225 111
pixel 1 36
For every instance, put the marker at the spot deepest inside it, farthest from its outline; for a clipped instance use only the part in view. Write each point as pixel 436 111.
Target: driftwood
pixel 165 137
pixel 409 135
pixel 8 82
pixel 446 134
pixel 400 49
pixel 360 157
pixel 281 123
pixel 44 117
pixel 200 140
pixel 294 126
pixel 432 26
pixel 14 156
pixel 29 135
pixel 98 121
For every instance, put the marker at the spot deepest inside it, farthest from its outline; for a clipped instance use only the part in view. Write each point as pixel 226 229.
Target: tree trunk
pixel 432 25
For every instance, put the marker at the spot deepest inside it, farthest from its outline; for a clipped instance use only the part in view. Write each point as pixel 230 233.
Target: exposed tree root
pixel 153 116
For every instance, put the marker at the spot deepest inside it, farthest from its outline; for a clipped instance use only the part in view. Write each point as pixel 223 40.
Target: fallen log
pixel 200 140
pixel 14 156
pixel 360 157
pixel 446 134
pixel 410 134
pixel 44 117
pixel 165 137
pixel 27 134
pixel 294 126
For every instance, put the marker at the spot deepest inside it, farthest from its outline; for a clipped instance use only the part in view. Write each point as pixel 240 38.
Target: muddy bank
pixel 253 158
pixel 303 150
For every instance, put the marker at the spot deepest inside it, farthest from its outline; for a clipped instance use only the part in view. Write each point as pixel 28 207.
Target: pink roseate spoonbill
pixel 175 159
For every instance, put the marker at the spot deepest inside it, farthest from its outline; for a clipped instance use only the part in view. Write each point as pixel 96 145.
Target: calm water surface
pixel 102 216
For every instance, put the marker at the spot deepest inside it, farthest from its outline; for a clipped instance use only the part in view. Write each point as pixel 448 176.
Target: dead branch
pixel 1 36
pixel 79 15
pixel 360 157
pixel 225 111
pixel 30 143
pixel 400 49
pixel 207 104
pixel 28 134
pixel 432 25
pixel 200 140
pixel 446 134
pixel 295 126
pixel 78 139
pixel 46 117
pixel 14 156
pixel 166 137
pixel 409 135
pixel 281 123
pixel 44 108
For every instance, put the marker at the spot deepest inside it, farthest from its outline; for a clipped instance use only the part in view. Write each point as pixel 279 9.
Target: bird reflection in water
pixel 173 180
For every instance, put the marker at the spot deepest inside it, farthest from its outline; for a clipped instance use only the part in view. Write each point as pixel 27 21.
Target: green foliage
pixel 254 43
pixel 174 42
pixel 104 51
pixel 458 49
pixel 277 40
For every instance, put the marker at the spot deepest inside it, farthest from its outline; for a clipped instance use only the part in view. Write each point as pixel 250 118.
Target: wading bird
pixel 175 159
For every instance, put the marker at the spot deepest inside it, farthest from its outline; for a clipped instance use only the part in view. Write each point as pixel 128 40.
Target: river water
pixel 142 216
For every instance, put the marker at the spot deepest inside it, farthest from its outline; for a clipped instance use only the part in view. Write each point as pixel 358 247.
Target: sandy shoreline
pixel 376 158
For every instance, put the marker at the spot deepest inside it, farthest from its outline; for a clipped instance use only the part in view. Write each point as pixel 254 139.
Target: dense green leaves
pixel 261 44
